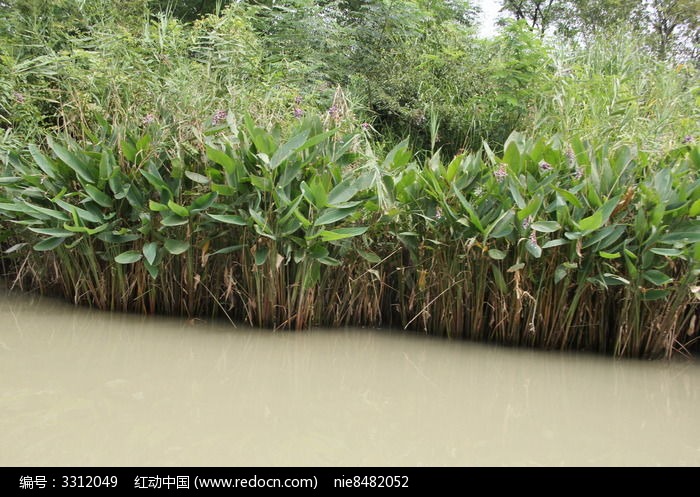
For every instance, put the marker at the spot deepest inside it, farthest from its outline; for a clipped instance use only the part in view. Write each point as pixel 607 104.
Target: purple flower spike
pixel 19 97
pixel 688 140
pixel 334 112
pixel 365 126
pixel 298 112
pixel 148 119
pixel 545 166
pixel 500 173
pixel 297 100
pixel 533 238
pixel 219 117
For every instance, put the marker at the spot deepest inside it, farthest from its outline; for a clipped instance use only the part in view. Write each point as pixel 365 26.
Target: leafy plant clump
pixel 553 244
pixel 243 159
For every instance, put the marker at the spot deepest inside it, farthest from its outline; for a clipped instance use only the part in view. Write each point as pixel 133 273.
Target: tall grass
pixel 614 90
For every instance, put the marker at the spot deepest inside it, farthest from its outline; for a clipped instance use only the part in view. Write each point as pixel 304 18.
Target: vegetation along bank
pixel 215 166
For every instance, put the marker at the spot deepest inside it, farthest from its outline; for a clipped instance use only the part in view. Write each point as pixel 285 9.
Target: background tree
pixel 539 14
pixel 675 25
pixel 585 18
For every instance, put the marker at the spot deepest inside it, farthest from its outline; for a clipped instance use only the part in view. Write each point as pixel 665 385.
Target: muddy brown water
pixel 80 387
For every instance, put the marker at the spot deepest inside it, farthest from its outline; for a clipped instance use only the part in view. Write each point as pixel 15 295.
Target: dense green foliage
pixel 670 28
pixel 253 162
pixel 555 244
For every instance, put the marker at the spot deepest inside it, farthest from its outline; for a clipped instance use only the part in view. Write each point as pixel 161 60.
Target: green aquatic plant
pixel 553 243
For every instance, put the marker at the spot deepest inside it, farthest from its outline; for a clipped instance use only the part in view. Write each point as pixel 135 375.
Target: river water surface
pixel 79 387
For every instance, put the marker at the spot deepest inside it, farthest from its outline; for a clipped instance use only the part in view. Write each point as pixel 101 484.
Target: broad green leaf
pixel 115 237
pixel 502 226
pixel 143 143
pixel 228 219
pixel 317 251
pixel 150 251
pixel 83 170
pixel 397 156
pixel 342 192
pixel 608 255
pixel 290 173
pixel 261 255
pixel 9 180
pixel 573 235
pixel 49 243
pixel 694 209
pixel 128 150
pixel 128 257
pixel 655 294
pixel 259 220
pixel 47 212
pixel 173 220
pixel 157 206
pixel 315 140
pixel 516 267
pixel 684 237
pixel 656 277
pixel 498 278
pixel 55 232
pixel 341 233
pixel 202 202
pixel 221 159
pixel 154 178
pixel 555 243
pixel 560 273
pixel 197 178
pixel 178 209
pixel 497 254
pixel 591 223
pixel 107 166
pixel 605 237
pixel 534 249
pixel 489 153
pixel 512 156
pixel 15 247
pixel 370 257
pixel 224 190
pixel 329 216
pixel 470 210
pixel 152 269
pixel 453 167
pixel 531 208
pixel 176 247
pixel 101 198
pixel 519 200
pixel 44 163
pixel 84 215
pixel 614 279
pixel 568 196
pixel 328 261
pixel 85 229
pixel 286 150
pixel 545 226
pixel 666 252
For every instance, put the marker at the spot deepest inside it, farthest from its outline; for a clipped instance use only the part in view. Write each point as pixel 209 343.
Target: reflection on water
pixel 79 387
